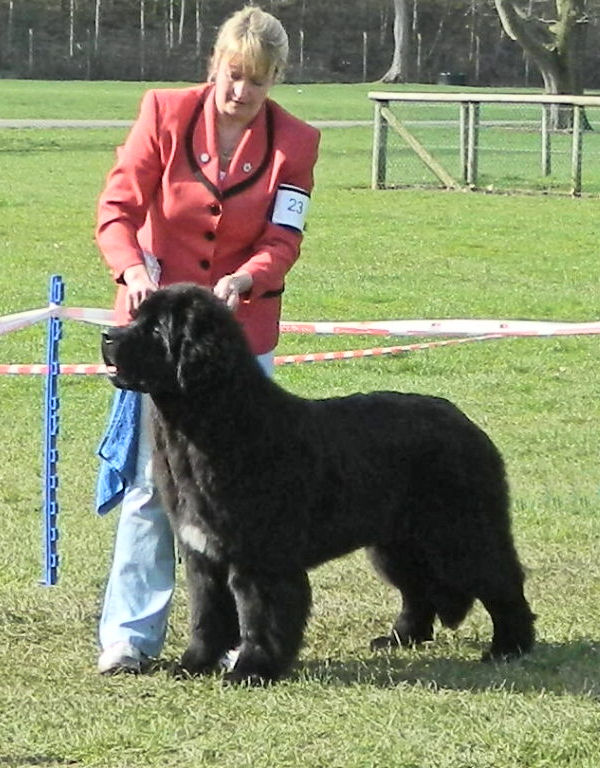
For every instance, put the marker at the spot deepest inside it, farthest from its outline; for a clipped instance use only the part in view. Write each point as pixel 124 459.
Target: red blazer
pixel 164 196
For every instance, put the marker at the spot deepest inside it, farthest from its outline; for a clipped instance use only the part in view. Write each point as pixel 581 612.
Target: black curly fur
pixel 261 485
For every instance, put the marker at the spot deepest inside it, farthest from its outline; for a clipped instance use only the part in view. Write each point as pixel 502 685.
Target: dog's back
pixel 391 463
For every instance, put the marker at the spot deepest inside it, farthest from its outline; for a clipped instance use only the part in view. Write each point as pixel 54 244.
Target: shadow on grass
pixel 552 668
pixel 45 760
pixel 572 668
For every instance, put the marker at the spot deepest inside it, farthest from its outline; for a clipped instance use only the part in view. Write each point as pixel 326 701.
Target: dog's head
pixel 179 336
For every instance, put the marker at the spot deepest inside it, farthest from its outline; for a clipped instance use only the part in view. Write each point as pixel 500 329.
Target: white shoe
pixel 120 657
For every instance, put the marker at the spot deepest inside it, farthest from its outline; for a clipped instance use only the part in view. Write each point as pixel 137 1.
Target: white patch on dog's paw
pixel 229 659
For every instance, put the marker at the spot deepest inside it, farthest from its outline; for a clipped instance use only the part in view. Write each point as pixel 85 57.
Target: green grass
pixel 367 255
pixel 118 101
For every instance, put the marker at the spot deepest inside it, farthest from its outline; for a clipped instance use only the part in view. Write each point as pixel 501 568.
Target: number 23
pixel 296 206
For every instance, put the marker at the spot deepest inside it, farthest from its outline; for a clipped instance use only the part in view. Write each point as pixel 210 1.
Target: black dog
pixel 261 485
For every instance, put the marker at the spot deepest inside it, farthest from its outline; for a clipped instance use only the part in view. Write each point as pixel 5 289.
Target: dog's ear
pixel 202 352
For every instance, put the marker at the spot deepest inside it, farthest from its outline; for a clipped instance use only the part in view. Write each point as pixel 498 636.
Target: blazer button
pixel 209 235
pixel 215 209
pixel 205 264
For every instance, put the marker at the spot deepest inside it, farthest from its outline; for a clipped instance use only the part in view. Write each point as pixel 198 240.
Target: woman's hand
pixel 230 287
pixel 139 286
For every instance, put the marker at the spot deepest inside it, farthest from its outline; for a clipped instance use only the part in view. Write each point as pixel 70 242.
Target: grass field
pixel 509 156
pixel 367 255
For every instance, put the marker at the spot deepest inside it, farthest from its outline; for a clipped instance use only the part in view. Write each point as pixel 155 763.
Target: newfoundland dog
pixel 261 485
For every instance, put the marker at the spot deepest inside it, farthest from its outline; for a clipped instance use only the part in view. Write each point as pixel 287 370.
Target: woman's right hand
pixel 139 286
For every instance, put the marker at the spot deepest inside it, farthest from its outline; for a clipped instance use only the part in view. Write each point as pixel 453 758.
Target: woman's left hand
pixel 230 287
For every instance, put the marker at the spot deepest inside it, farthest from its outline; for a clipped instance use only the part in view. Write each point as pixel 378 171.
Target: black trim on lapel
pixel 265 161
pixel 189 148
pixel 197 170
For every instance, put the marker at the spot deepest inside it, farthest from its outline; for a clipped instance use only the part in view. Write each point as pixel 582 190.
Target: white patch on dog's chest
pixel 192 537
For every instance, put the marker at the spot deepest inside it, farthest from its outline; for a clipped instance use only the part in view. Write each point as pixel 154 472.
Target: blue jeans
pixel 142 577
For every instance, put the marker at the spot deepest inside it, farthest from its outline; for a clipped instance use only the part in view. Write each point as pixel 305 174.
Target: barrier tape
pixel 23 319
pixel 317 357
pixel 442 327
pixel 450 327
pixel 463 330
pixel 86 369
pixel 20 320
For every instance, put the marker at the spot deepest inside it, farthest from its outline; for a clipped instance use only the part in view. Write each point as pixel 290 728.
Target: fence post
pixel 576 152
pixel 473 143
pixel 463 129
pixel 51 428
pixel 380 132
pixel 546 158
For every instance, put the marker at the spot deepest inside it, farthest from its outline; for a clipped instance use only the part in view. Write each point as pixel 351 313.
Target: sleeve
pixel 279 247
pixel 129 189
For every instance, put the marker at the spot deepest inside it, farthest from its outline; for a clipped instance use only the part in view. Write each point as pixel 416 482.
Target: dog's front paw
pixel 251 666
pixel 195 661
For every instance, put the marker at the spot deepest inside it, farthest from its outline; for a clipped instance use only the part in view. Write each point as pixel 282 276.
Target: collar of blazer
pixel 250 159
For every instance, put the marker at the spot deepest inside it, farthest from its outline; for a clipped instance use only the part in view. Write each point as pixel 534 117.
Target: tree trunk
pixel 181 22
pixel 9 26
pixel 199 9
pixel 398 71
pixel 97 12
pixel 555 48
pixel 71 28
pixel 142 39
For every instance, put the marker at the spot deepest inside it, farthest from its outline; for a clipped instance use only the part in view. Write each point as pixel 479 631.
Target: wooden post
pixel 546 157
pixel 473 143
pixel 380 132
pixel 576 152
pixel 463 123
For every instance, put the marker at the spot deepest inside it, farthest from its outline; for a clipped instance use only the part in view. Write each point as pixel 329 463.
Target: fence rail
pixel 556 115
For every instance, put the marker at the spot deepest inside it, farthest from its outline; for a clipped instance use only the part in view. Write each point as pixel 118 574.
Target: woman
pixel 211 187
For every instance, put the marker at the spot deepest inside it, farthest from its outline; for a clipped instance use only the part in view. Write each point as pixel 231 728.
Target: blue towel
pixel 118 450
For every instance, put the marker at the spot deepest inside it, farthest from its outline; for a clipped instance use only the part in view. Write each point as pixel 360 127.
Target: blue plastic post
pixel 51 428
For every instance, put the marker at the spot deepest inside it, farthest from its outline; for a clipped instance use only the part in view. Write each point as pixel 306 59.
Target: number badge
pixel 291 206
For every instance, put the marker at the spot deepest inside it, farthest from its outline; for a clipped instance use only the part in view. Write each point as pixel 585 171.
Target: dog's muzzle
pixel 108 349
pixel 109 346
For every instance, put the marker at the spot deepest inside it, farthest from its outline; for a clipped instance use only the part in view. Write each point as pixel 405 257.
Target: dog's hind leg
pixel 273 609
pixel 512 618
pixel 214 625
pixel 406 571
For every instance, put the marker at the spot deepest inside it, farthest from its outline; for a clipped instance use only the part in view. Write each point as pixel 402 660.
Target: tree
pixel 398 71
pixel 555 46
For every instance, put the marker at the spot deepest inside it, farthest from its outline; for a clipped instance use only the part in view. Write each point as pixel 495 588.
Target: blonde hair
pixel 254 36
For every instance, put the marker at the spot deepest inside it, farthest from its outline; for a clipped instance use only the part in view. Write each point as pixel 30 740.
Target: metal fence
pixel 493 142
